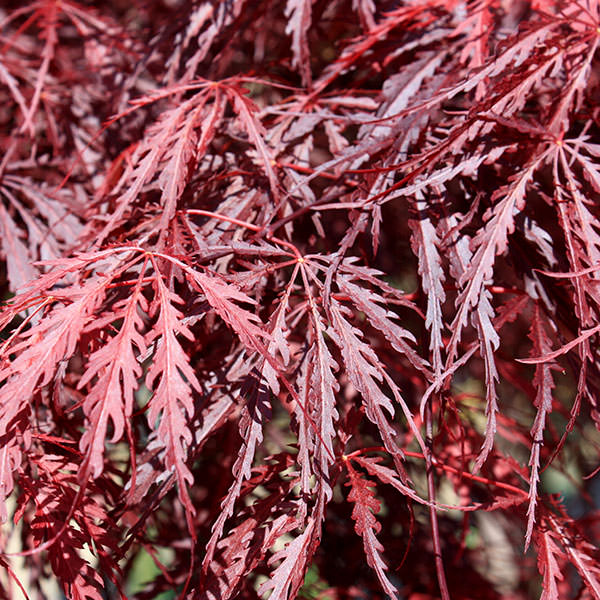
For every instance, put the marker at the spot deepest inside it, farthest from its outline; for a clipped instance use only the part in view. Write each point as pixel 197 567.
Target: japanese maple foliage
pixel 301 299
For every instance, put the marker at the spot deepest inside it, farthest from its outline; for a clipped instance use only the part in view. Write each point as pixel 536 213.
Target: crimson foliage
pixel 300 298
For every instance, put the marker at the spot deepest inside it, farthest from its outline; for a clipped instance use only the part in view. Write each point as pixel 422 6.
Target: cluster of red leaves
pixel 299 284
